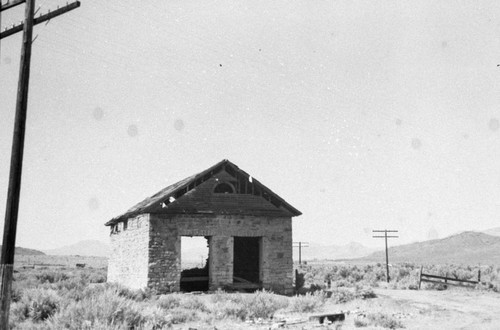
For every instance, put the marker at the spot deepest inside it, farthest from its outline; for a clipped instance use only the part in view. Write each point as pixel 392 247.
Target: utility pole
pixel 16 161
pixel 300 245
pixel 385 231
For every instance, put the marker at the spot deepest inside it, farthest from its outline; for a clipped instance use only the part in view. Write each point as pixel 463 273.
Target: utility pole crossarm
pixel 12 4
pixel 300 245
pixel 41 19
pixel 385 231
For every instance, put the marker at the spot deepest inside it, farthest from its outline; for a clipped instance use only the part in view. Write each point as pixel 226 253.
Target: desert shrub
pixel 343 272
pixel 169 301
pixel 98 277
pixel 364 292
pixel 222 296
pixel 193 303
pixel 309 302
pixel 356 275
pixel 228 309
pixel 155 319
pixel 79 293
pixel 181 315
pixel 263 304
pixel 384 321
pixel 104 307
pixel 73 283
pixel 133 294
pixel 39 303
pixel 360 322
pixel 19 312
pixel 341 283
pixel 342 295
pixel 51 276
pixel 16 293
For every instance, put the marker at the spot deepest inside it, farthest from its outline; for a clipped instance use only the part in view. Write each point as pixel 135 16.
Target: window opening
pixel 194 263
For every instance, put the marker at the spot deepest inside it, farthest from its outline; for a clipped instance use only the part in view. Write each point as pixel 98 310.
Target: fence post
pixel 420 279
pixel 479 276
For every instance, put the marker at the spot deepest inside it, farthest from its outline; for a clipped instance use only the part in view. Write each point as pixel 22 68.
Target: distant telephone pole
pixel 300 245
pixel 16 160
pixel 385 231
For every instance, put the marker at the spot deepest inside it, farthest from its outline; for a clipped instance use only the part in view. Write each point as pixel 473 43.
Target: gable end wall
pixel 165 248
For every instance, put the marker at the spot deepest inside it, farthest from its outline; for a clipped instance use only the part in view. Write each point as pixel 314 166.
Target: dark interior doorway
pixel 246 260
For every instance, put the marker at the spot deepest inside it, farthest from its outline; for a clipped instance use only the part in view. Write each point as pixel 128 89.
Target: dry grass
pixel 71 298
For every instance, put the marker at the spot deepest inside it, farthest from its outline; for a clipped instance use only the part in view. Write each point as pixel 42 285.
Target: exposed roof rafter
pixel 173 192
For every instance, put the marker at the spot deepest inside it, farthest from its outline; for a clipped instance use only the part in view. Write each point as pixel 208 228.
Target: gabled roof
pixel 177 190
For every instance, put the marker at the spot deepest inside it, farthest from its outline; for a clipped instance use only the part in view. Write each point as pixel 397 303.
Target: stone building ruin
pixel 247 226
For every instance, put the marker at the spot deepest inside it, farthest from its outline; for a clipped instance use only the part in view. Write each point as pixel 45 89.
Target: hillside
pixel 27 252
pixel 470 248
pixel 83 248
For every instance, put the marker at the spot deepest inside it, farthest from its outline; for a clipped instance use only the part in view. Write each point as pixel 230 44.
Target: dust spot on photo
pixel 98 113
pixel 7 60
pixel 444 44
pixel 367 230
pixel 322 190
pixel 179 125
pixel 416 143
pixel 398 121
pixel 465 136
pixel 93 204
pixel 494 124
pixel 132 130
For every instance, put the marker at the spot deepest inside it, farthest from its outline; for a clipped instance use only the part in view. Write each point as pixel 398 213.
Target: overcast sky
pixel 362 114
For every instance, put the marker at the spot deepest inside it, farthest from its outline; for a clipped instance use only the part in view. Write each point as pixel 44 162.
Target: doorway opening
pixel 194 263
pixel 247 263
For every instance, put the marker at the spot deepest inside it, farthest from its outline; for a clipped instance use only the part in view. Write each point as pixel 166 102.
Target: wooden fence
pixel 447 280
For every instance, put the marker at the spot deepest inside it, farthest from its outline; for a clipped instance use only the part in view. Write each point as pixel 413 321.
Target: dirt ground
pixel 455 308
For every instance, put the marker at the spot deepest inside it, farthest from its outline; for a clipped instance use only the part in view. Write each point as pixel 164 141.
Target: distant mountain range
pixel 92 248
pixel 468 247
pixel 332 252
pixel 492 231
pixel 27 252
pixel 465 247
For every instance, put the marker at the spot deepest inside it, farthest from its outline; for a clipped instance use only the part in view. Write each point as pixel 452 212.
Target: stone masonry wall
pixel 276 252
pixel 128 262
pixel 221 261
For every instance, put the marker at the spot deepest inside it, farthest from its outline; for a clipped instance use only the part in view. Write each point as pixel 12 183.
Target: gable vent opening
pixel 224 188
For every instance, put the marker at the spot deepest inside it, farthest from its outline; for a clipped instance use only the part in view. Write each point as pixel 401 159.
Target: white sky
pixel 362 114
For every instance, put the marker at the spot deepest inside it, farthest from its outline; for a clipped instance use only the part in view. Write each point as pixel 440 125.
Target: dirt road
pixel 448 309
